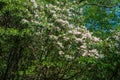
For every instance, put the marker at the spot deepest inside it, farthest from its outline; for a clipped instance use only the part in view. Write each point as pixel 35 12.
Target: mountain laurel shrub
pixel 47 40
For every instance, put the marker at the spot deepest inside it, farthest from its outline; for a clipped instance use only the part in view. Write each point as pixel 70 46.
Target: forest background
pixel 59 40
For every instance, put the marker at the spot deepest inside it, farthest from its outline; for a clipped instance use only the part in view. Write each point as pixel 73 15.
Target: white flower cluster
pixel 65 34
pixel 78 35
pixel 34 3
pixel 83 36
pixel 117 36
pixel 33 20
pixel 63 22
pixel 115 40
pixel 25 21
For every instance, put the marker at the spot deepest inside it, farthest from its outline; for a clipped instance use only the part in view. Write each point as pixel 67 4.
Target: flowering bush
pixel 59 43
pixel 50 42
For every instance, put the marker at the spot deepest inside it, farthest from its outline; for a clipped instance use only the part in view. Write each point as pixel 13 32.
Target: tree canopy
pixel 59 40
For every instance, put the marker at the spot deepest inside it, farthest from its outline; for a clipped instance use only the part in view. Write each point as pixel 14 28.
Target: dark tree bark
pixel 13 60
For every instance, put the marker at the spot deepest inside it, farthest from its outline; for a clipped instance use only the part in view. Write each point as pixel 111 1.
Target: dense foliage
pixel 48 40
pixel 105 16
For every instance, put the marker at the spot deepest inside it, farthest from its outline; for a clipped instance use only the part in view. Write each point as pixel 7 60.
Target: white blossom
pixel 76 32
pixel 69 56
pixel 78 39
pixel 62 21
pixel 83 47
pixel 116 37
pixel 66 38
pixel 33 1
pixel 81 10
pixel 93 51
pixel 70 31
pixel 60 44
pixel 54 15
pixel 52 11
pixel 24 20
pixel 61 53
pixel 95 39
pixel 85 53
pixel 53 37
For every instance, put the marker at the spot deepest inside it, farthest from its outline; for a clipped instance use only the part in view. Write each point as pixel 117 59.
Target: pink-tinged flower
pixel 94 51
pixel 78 39
pixel 96 39
pixel 62 21
pixel 76 32
pixel 83 47
pixel 88 35
pixel 24 20
pixel 66 38
pixel 84 36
